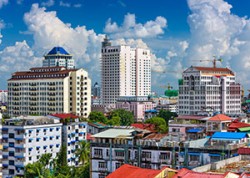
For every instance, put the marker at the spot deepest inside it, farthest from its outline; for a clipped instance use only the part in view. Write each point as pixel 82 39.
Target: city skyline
pixel 177 33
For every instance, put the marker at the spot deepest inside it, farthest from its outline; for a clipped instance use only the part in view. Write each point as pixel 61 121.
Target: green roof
pixel 244 129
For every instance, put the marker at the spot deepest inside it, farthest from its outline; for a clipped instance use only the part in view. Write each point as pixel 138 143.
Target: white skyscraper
pixel 125 71
pixel 209 89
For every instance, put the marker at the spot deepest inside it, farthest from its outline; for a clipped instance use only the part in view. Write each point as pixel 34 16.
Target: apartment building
pixel 47 90
pixel 125 71
pixel 206 89
pixel 73 132
pixel 117 146
pixel 25 139
pixel 59 57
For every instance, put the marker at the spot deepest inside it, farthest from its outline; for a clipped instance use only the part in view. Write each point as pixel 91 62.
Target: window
pixel 102 165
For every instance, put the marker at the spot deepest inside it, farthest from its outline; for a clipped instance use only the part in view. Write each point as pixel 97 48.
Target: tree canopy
pixel 96 116
pixel 160 124
pixel 126 117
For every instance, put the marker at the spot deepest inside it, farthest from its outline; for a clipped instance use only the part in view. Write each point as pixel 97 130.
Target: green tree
pixel 127 117
pixel 96 116
pixel 115 120
pixel 40 168
pixel 61 164
pixel 83 152
pixel 166 115
pixel 160 124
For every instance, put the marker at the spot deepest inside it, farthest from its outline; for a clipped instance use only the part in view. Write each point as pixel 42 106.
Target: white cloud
pixel 64 4
pixel 17 58
pixel 77 5
pixel 48 3
pixel 3 2
pixel 49 31
pixel 131 29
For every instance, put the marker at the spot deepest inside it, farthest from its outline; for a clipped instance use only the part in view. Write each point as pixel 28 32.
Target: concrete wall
pixel 218 165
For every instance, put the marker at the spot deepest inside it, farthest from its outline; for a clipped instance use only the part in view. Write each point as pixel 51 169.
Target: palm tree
pixel 83 152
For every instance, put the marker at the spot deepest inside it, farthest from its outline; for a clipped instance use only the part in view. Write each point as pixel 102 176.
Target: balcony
pixel 102 169
pixel 97 156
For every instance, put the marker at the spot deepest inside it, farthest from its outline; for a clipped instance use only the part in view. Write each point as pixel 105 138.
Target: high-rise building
pixel 125 71
pixel 211 89
pixel 96 90
pixel 48 90
pixel 58 57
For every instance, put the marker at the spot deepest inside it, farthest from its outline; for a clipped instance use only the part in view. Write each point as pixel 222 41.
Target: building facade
pixel 209 89
pixel 26 139
pixel 135 104
pixel 73 132
pixel 125 71
pixel 47 90
pixel 58 57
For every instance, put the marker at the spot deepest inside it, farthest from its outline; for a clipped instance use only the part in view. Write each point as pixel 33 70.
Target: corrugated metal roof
pixel 220 117
pixel 228 135
pixel 198 143
pixel 115 133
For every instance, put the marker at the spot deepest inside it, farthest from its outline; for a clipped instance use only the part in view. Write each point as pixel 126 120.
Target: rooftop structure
pixel 58 56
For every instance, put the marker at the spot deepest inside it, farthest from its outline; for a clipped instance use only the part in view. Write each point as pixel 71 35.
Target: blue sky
pixel 177 32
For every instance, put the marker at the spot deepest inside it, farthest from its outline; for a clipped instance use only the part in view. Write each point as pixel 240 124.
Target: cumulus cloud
pixel 17 58
pixel 48 3
pixel 3 2
pixel 131 29
pixel 49 31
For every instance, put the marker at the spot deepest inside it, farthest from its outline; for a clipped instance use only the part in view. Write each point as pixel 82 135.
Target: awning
pixel 18 129
pixel 18 138
pixel 214 154
pixel 119 150
pixel 5 129
pixel 194 154
pixel 19 156
pixel 195 130
pixel 244 129
pixel 19 166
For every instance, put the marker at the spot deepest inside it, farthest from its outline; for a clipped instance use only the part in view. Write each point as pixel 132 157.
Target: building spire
pixel 106 42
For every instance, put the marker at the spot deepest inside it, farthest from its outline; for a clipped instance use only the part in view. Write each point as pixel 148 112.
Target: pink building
pixel 136 104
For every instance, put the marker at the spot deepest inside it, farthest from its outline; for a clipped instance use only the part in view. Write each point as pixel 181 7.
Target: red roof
pixel 185 173
pixel 220 117
pixel 235 125
pixel 64 116
pixel 129 171
pixel 214 69
pixel 89 137
pixel 150 127
pixel 244 151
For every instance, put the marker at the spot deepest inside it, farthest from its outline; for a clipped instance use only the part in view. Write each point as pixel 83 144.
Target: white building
pixel 73 132
pixel 25 139
pixel 46 90
pixel 209 89
pixel 125 71
pixel 3 96
pixel 58 57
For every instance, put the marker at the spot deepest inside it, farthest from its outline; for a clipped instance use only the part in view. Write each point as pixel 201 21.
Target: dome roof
pixel 58 50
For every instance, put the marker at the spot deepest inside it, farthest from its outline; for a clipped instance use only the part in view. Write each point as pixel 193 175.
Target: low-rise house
pixel 237 126
pixel 218 123
pixel 97 127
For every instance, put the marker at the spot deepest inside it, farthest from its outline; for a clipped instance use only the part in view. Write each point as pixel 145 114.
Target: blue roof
pixel 228 135
pixel 58 50
pixel 195 130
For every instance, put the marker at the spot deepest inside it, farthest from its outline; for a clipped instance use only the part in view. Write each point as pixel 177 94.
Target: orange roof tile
pixel 220 117
pixel 214 69
pixel 129 171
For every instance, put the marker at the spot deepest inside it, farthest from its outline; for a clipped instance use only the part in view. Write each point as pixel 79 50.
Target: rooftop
pixel 186 173
pixel 65 116
pixel 228 135
pixel 220 117
pixel 29 120
pixel 150 127
pixel 115 133
pixel 213 69
pixel 129 171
